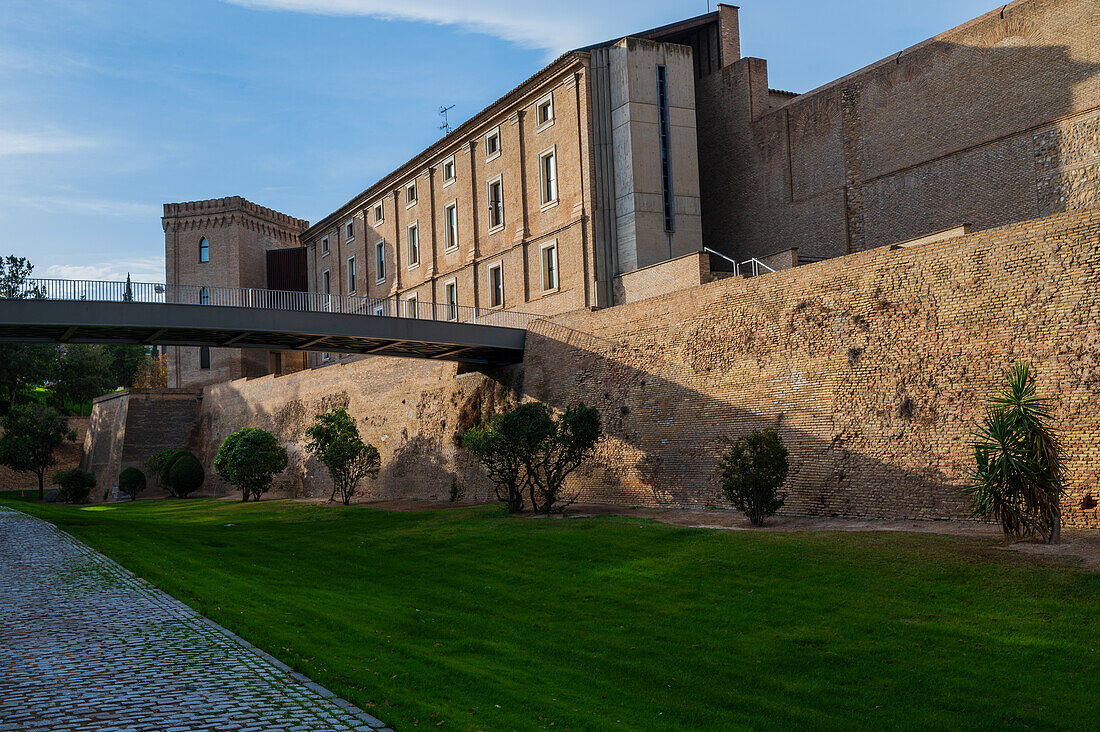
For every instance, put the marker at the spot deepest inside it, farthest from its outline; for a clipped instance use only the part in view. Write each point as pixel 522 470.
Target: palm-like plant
pixel 1018 473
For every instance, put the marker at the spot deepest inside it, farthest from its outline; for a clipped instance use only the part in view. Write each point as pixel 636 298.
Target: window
pixel 548 177
pixel 204 357
pixel 663 128
pixel 379 214
pixel 204 250
pixel 449 171
pixel 378 309
pixel 413 245
pixel 349 231
pixel 380 261
pixel 550 266
pixel 412 309
pixel 450 225
pixel 492 144
pixel 450 296
pixel 496 204
pixel 544 111
pixel 410 194
pixel 326 283
pixel 325 356
pixel 496 285
pixel 351 274
pixel 324 246
pixel 204 296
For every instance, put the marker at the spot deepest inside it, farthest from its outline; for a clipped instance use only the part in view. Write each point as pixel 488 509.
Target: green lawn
pixel 468 619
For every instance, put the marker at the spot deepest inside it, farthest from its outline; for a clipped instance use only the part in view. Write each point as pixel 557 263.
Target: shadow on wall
pixel 996 125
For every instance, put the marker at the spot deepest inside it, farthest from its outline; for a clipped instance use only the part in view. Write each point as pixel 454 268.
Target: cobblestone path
pixel 85 645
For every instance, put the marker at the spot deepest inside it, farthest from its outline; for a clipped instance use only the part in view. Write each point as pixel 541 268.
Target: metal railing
pixel 754 266
pixel 244 297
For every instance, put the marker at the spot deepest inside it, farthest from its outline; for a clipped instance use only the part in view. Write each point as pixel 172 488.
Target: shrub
pixel 74 485
pixel 334 439
pixel 526 449
pixel 131 481
pixel 156 463
pixel 185 475
pixel 753 469
pixel 1017 478
pixel 249 459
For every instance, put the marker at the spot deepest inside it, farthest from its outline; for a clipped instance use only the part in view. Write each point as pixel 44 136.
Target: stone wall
pixel 989 123
pixel 873 366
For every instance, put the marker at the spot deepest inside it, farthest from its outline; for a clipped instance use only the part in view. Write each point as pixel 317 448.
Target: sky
pixel 110 108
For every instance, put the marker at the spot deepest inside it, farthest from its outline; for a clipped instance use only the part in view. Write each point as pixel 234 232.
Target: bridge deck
pixel 173 324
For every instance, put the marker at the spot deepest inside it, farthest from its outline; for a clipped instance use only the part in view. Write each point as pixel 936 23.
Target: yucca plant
pixel 1017 478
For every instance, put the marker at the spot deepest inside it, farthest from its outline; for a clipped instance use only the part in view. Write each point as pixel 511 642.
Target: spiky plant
pixel 1017 478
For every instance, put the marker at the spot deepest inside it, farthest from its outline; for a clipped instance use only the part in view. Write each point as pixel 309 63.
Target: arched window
pixel 204 296
pixel 204 250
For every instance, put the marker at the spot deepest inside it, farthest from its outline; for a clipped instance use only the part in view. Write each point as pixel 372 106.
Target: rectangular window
pixel 449 171
pixel 410 194
pixel 450 296
pixel 326 283
pixel 548 177
pixel 663 131
pixel 492 144
pixel 204 357
pixel 324 245
pixel 349 231
pixel 378 309
pixel 412 309
pixel 450 225
pixel 380 261
pixel 550 266
pixel 379 213
pixel 544 111
pixel 351 274
pixel 496 204
pixel 325 356
pixel 413 245
pixel 496 285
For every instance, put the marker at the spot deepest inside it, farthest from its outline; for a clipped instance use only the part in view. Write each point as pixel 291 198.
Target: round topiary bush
pixel 74 485
pixel 131 481
pixel 185 475
pixel 166 464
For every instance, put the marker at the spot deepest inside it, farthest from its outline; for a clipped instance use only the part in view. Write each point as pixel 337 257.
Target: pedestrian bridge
pixel 87 311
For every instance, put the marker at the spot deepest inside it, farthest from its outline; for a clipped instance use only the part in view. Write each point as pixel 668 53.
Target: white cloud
pixel 88 206
pixel 148 269
pixel 42 143
pixel 555 26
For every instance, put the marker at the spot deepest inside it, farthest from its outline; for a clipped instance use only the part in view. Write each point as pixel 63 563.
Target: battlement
pixel 233 204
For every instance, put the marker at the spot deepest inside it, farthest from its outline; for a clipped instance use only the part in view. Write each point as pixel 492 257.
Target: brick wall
pixel 992 122
pixel 873 366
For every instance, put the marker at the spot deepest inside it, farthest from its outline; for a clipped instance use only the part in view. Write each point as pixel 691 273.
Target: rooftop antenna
pixel 446 126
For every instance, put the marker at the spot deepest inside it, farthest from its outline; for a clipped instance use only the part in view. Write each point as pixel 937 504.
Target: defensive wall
pixel 873 366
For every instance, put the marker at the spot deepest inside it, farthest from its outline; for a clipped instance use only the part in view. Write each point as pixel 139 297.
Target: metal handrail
pixel 755 265
pixel 246 297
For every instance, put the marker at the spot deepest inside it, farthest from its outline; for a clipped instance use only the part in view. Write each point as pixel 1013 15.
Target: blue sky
pixel 112 107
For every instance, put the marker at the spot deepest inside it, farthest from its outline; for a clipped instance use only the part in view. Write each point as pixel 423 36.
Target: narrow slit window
pixel 204 357
pixel 663 130
pixel 496 204
pixel 550 267
pixel 496 286
pixel 548 177
pixel 450 225
pixel 413 245
pixel 380 261
pixel 351 274
pixel 450 291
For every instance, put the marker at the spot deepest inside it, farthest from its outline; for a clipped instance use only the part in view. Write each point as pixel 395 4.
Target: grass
pixel 465 618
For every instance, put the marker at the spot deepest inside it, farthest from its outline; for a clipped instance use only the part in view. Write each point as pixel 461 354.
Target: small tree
pixel 570 441
pixel 505 446
pixel 1018 474
pixel 249 459
pixel 156 463
pixel 31 436
pixel 185 475
pixel 334 439
pixel 753 469
pixel 83 372
pixel 131 481
pixel 74 485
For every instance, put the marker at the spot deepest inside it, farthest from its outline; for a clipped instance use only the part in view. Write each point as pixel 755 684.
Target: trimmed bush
pixel 74 485
pixel 185 475
pixel 753 470
pixel 131 481
pixel 249 459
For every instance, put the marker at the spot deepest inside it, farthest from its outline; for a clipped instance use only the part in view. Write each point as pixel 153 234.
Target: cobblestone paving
pixel 86 645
